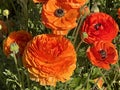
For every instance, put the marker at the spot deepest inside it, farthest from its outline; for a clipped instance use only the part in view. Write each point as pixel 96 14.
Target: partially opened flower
pixel 99 82
pixel 102 54
pixel 58 17
pixel 49 58
pixel 19 37
pixel 100 26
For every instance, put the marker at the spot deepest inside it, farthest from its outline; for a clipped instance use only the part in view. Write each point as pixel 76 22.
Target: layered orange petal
pixel 49 59
pixel 75 4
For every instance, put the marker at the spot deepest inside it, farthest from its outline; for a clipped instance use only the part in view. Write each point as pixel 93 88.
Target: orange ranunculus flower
pixel 59 18
pixel 100 26
pixel 49 58
pixel 20 37
pixel 3 27
pixel 102 54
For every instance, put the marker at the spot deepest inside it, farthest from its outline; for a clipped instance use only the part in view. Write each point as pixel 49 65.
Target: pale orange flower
pixel 49 58
pixel 20 37
pixel 58 17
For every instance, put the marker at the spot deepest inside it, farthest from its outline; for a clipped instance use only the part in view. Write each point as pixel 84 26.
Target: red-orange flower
pixel 58 17
pixel 100 26
pixel 102 54
pixel 20 37
pixel 49 58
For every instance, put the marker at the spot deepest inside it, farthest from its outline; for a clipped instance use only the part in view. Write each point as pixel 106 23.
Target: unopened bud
pixel 95 9
pixel 14 48
pixel 84 35
pixel 6 12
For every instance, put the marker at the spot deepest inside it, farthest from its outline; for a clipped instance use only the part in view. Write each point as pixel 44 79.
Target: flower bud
pixel 14 48
pixel 95 8
pixel 6 12
pixel 84 35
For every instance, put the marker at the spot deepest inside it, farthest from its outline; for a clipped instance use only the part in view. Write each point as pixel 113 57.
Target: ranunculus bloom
pixel 100 26
pixel 59 18
pixel 102 54
pixel 20 37
pixel 49 58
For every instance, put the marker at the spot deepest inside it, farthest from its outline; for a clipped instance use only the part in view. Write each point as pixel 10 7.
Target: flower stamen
pixel 97 26
pixel 59 12
pixel 103 54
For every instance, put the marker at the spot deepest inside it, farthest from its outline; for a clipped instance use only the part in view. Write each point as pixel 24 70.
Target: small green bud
pixel 14 48
pixel 84 35
pixel 95 8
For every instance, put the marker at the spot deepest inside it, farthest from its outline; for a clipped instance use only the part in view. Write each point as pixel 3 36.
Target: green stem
pixel 87 81
pixel 16 64
pixel 11 1
pixel 73 34
pixel 78 28
pixel 103 75
pixel 28 82
pixel 77 48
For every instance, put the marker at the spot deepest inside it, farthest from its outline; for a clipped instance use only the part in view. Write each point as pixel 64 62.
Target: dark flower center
pixel 103 54
pixel 59 12
pixel 97 26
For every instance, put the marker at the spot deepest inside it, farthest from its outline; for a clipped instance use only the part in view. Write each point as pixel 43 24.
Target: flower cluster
pixel 50 58
pixel 101 30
